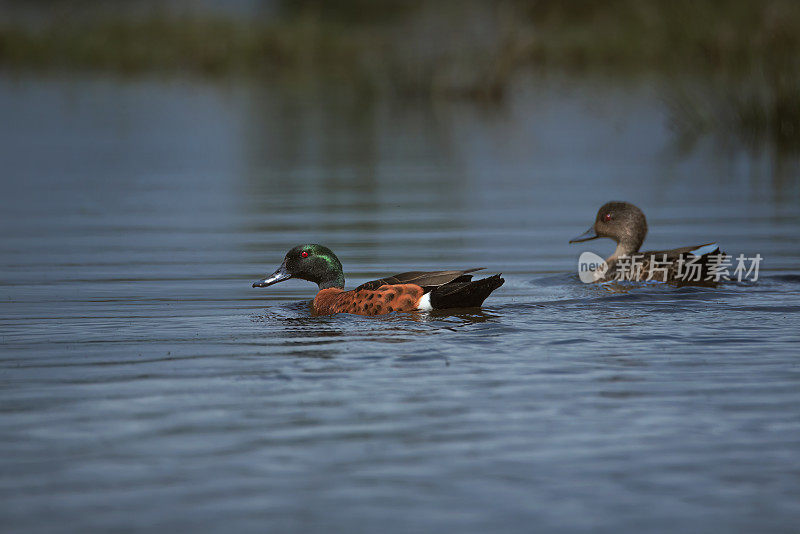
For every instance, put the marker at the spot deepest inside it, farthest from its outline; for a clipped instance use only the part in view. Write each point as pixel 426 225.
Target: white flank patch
pixel 705 249
pixel 425 303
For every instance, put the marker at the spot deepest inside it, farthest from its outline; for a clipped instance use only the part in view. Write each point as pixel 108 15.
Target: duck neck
pixel 626 247
pixel 336 279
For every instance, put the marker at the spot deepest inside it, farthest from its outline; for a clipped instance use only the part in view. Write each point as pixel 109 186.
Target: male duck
pixel 626 224
pixel 410 291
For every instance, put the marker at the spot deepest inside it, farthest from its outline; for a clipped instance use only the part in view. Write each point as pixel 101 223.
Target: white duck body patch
pixel 705 249
pixel 425 303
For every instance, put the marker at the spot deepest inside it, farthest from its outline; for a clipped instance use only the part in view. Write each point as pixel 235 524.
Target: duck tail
pixel 464 294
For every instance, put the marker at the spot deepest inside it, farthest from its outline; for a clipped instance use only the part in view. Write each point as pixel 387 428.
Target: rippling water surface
pixel 146 384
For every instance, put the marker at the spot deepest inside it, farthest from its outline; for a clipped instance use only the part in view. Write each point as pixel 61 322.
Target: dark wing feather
pixel 421 278
pixel 673 254
pixel 464 295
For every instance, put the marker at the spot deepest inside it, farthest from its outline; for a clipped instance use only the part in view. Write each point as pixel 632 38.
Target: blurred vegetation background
pixel 745 51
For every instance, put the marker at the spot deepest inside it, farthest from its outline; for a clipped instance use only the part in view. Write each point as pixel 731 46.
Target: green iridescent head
pixel 311 262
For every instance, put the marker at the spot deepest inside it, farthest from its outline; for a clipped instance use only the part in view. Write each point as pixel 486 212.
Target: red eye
pixel 607 217
pixel 304 254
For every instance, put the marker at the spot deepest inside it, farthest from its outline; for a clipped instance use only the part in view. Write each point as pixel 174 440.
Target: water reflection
pixel 735 120
pixel 139 359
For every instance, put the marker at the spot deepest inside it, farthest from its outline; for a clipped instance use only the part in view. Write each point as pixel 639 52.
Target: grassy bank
pixel 465 49
pixel 730 36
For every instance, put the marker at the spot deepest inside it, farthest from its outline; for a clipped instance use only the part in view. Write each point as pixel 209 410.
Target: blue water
pixel 145 385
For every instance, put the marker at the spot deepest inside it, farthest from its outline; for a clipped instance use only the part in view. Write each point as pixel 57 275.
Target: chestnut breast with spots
pixel 385 299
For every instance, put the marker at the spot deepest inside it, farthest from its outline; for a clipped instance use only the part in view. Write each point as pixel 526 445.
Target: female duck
pixel 410 291
pixel 626 224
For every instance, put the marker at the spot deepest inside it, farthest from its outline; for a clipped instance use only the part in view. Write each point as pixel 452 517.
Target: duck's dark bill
pixel 588 235
pixel 278 276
